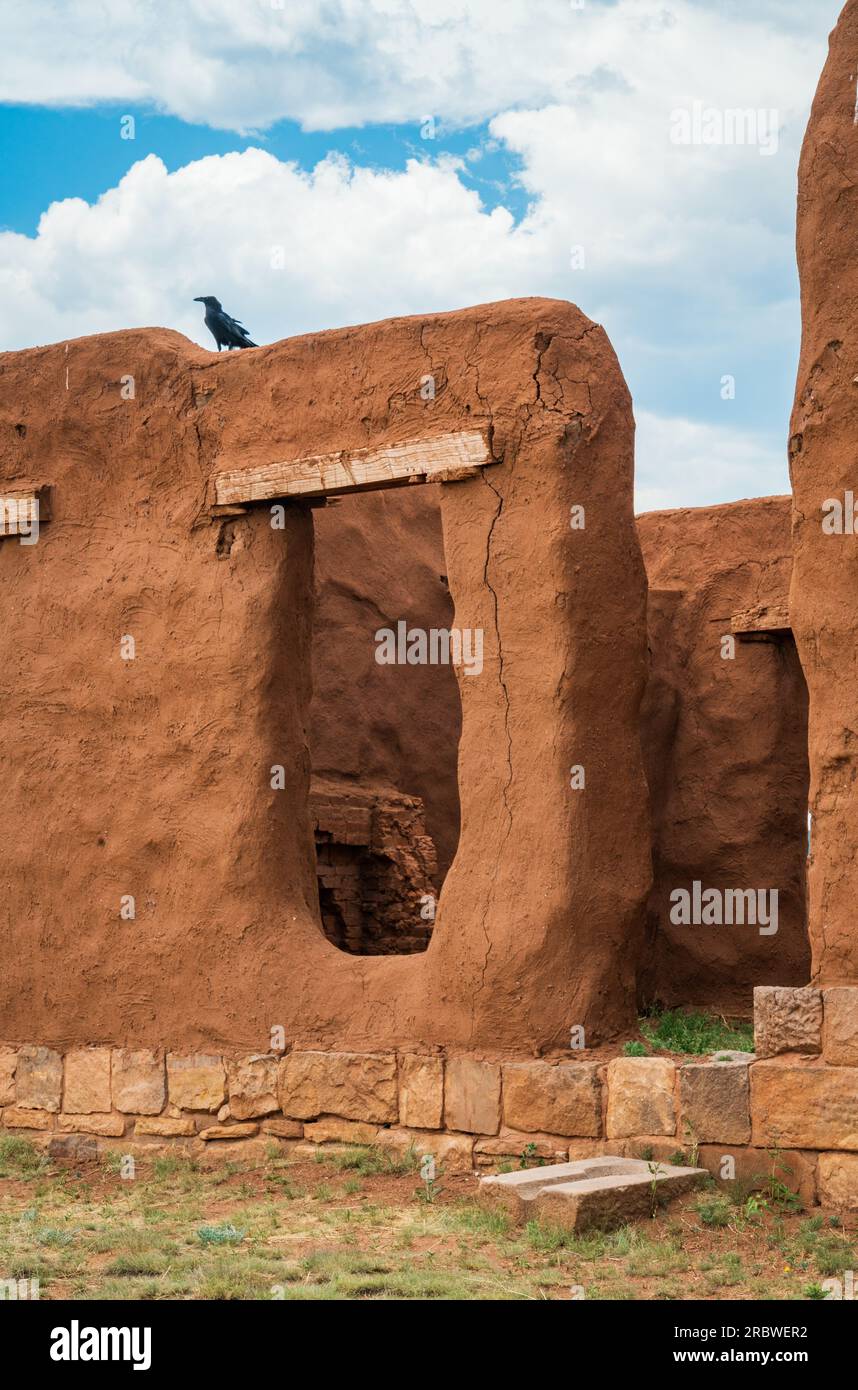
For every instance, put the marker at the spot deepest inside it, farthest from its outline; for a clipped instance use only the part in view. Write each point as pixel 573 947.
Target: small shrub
pixel 225 1234
pixel 714 1210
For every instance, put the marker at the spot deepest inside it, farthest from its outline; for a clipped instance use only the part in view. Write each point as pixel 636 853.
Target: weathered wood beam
pixel 433 459
pixel 764 620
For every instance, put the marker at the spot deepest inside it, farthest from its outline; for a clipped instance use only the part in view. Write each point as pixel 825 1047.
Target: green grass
pixel 697 1034
pixel 269 1234
pixel 19 1158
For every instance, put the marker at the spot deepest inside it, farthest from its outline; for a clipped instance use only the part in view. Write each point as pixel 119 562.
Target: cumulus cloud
pixel 244 65
pixel 688 463
pixel 685 253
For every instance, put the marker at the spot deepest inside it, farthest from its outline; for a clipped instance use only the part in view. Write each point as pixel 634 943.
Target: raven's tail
pixel 248 343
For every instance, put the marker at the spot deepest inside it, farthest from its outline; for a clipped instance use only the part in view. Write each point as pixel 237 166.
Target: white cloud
pixel 684 463
pixel 689 250
pixel 243 64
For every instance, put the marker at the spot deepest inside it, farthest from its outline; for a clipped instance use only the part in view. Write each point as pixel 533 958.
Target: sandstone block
pixel 253 1087
pixel 838 1181
pixel 472 1096
pixel 804 1105
pixel 714 1100
pixel 753 1168
pixel 331 1129
pixel 16 1118
pixel 518 1144
pixel 38 1078
pixel 452 1152
pixel 229 1132
pixel 593 1192
pixel 110 1126
pixel 253 1151
pixel 355 1085
pixel 421 1091
pixel 787 1020
pixel 564 1099
pixel 164 1126
pixel 197 1082
pixel 840 1026
pixel 137 1081
pixel 640 1097
pixel 8 1060
pixel 76 1147
pixel 87 1081
pixel 279 1128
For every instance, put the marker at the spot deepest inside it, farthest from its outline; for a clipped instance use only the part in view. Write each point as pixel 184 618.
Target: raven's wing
pixel 233 331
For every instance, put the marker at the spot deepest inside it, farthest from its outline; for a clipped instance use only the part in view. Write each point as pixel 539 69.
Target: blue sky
pixel 73 152
pixel 552 168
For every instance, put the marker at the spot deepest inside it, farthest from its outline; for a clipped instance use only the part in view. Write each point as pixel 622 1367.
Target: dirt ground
pixel 353 1225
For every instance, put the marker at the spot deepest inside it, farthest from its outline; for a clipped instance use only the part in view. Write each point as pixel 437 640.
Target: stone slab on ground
pixel 602 1192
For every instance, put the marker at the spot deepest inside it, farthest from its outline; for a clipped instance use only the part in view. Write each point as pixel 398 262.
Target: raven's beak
pixel 198 299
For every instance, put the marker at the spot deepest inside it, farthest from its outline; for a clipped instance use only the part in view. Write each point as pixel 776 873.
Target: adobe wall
pixel 725 748
pixel 152 776
pixel 824 431
pixel 724 741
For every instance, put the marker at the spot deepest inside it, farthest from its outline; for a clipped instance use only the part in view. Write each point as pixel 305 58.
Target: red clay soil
pixel 823 443
pixel 151 777
pixel 725 747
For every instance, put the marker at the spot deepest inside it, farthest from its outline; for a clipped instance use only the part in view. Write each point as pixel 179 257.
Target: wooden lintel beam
pixel 765 620
pixel 451 457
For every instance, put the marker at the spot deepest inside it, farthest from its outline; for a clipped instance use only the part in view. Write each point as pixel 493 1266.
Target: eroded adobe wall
pixel 151 777
pixel 725 745
pixel 823 453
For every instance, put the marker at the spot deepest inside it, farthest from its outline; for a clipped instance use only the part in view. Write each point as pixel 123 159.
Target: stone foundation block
pixel 564 1099
pixel 804 1105
pixel 87 1081
pixel 452 1152
pixel 15 1118
pixel 840 1026
pixel 355 1085
pixel 472 1096
pixel 38 1079
pixel 8 1061
pixel 196 1082
pixel 137 1082
pixel 253 1087
pixel 714 1100
pixel 838 1181
pixel 279 1128
pixel 330 1129
pixel 110 1126
pixel 752 1168
pixel 641 1097
pixel 248 1130
pixel 164 1126
pixel 421 1091
pixel 787 1020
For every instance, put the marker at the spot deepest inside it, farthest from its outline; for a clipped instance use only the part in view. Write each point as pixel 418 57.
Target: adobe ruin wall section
pixel 152 776
pixel 823 453
pixel 724 733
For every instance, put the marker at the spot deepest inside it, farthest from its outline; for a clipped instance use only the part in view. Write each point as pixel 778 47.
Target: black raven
pixel 226 332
